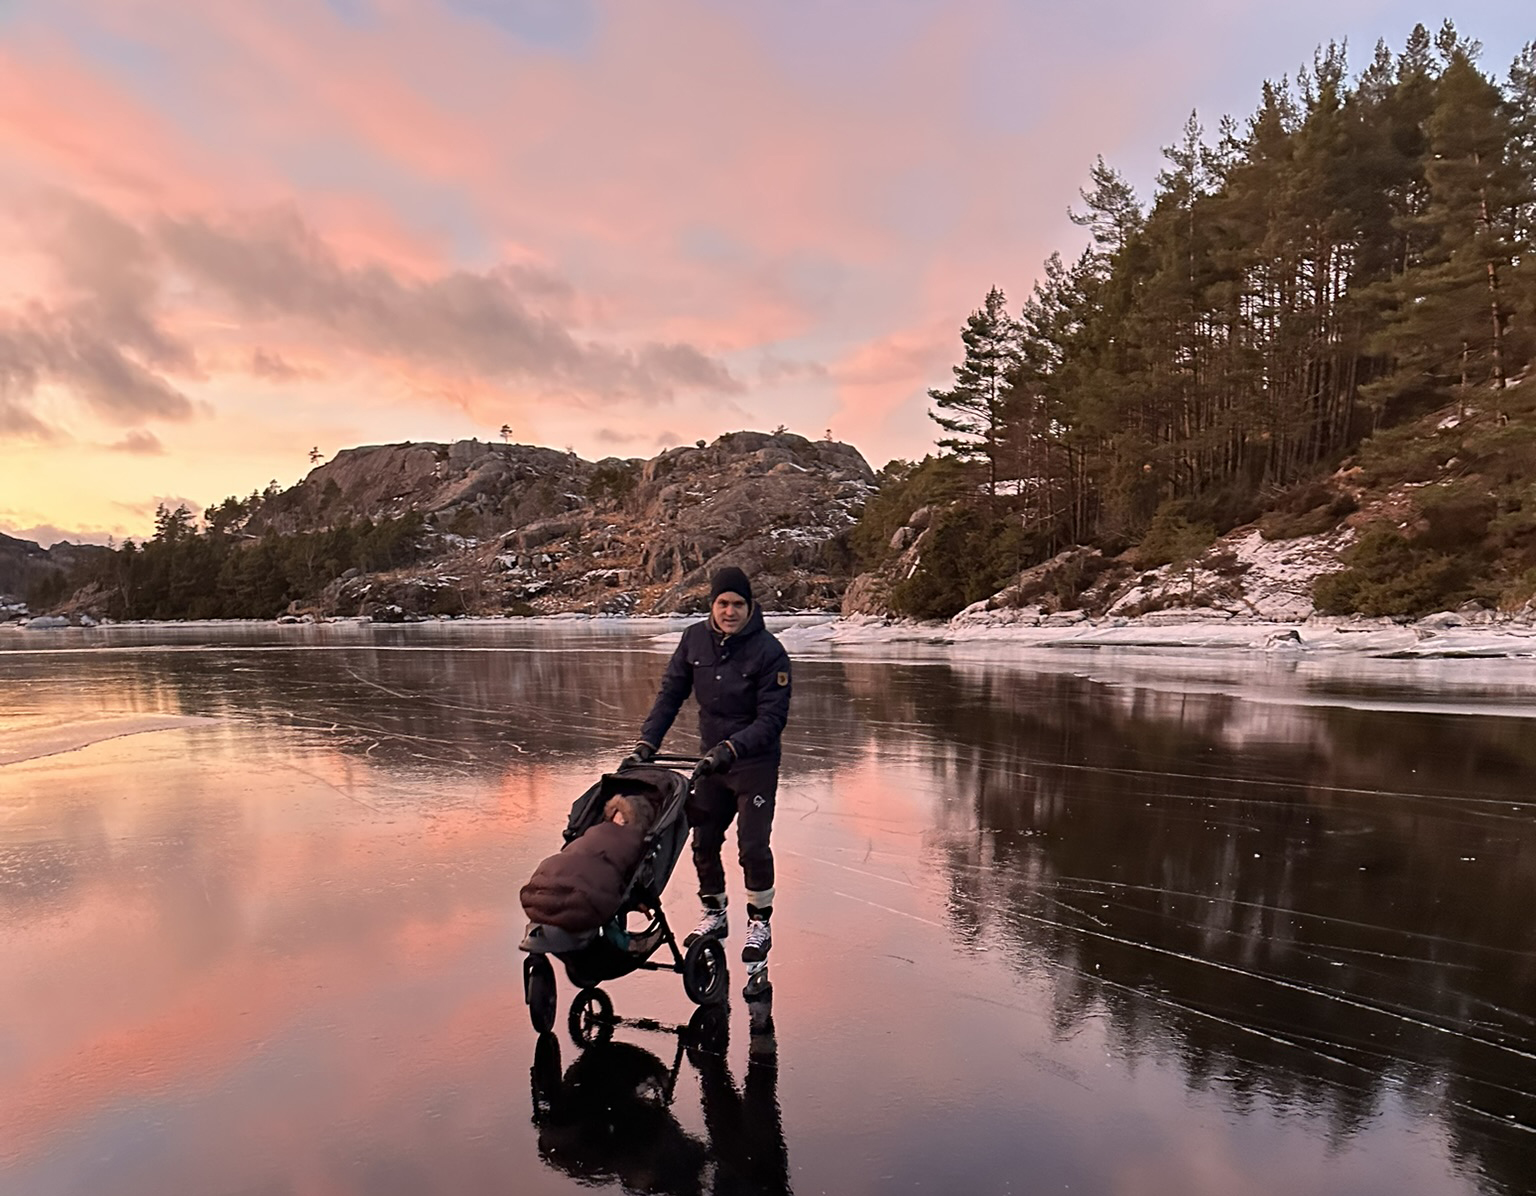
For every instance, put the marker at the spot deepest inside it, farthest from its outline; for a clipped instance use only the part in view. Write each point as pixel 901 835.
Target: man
pixel 740 675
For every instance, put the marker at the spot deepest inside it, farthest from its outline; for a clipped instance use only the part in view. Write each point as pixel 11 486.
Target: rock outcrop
pixel 529 529
pixel 1241 575
pixel 515 484
pixel 24 566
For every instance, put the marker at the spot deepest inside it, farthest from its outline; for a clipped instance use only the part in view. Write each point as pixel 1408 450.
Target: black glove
pixel 641 753
pixel 717 759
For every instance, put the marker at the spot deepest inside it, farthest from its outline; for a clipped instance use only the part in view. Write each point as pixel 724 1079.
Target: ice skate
pixel 712 925
pixel 759 940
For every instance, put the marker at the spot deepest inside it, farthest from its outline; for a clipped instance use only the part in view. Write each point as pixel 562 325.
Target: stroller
pixel 613 950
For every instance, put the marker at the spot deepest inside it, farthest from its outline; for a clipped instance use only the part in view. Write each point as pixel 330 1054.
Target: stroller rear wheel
pixel 539 991
pixel 591 1018
pixel 704 972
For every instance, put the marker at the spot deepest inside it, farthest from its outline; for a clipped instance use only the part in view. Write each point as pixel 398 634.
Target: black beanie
pixel 730 580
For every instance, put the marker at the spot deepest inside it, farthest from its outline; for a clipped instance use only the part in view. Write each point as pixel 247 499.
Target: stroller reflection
pixel 609 1116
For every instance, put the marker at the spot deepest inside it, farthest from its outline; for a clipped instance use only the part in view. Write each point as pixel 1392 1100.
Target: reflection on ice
pixel 610 1115
pixel 1077 919
pixel 1326 916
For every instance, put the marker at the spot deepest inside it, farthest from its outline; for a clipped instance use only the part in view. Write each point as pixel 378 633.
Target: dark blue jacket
pixel 741 682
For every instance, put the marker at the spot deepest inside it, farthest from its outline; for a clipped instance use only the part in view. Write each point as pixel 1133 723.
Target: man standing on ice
pixel 740 675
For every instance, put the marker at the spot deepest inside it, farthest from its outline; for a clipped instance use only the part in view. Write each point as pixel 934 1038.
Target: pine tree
pixel 1448 313
pixel 1111 213
pixel 1038 443
pixel 975 411
pixel 1174 338
pixel 1520 92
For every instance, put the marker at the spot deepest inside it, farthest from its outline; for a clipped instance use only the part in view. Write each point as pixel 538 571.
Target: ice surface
pixel 1101 918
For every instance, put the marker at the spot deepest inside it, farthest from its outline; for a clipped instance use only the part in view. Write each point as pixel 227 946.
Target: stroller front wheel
pixel 704 972
pixel 539 991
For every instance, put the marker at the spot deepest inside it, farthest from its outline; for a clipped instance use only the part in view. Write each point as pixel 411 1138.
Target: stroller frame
pixel 611 951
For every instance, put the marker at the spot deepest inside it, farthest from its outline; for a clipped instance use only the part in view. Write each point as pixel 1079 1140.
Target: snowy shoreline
pixel 1439 636
pixel 1478 635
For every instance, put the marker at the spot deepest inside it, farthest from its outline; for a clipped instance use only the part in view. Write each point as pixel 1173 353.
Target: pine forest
pixel 1354 255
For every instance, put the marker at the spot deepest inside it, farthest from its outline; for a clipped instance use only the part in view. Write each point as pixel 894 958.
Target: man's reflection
pixel 746 1132
pixel 610 1115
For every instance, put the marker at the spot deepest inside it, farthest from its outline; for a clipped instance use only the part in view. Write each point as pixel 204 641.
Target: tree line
pixel 225 570
pixel 1356 253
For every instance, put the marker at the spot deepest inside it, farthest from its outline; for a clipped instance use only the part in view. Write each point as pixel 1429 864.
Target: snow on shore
pixel 1438 636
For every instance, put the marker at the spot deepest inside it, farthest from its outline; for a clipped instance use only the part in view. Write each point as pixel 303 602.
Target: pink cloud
pixel 696 201
pixel 63 124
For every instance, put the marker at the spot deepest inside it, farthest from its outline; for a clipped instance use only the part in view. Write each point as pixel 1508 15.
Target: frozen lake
pixel 1070 921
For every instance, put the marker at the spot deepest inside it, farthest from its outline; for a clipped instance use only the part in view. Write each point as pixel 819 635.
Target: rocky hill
pixel 512 484
pixel 520 528
pixel 22 565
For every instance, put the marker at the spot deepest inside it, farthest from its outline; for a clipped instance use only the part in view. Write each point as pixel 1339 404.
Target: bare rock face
pixel 870 593
pixel 517 483
pixel 867 594
pixel 776 505
pixel 1055 585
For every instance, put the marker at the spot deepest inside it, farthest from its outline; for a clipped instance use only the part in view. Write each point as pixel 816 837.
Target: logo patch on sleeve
pixel 783 678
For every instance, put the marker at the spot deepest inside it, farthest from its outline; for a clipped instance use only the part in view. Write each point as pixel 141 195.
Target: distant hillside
pixel 1436 514
pixel 525 528
pixel 471 485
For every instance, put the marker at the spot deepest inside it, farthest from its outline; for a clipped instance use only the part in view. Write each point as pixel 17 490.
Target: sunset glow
pixel 234 231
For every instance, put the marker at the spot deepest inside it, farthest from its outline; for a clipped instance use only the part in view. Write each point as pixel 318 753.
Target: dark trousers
pixel 746 793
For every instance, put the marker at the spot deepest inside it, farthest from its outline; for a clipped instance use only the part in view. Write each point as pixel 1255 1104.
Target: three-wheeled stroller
pixel 613 950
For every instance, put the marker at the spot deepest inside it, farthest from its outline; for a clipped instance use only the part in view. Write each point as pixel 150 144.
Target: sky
pixel 231 233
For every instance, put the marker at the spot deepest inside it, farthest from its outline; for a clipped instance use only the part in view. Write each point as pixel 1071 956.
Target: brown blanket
pixel 582 887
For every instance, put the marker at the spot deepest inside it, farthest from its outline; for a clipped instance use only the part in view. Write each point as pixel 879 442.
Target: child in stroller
pixel 622 840
pixel 582 886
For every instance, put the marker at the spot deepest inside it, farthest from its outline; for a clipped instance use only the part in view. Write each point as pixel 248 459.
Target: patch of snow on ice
pixel 19 744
